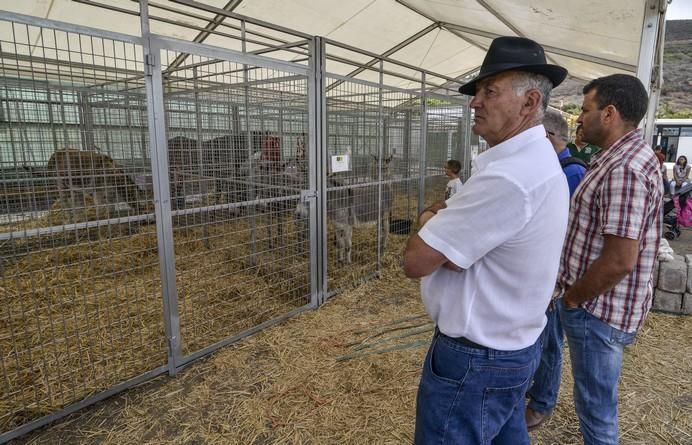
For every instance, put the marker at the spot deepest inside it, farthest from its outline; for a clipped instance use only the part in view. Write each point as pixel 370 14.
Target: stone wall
pixel 673 285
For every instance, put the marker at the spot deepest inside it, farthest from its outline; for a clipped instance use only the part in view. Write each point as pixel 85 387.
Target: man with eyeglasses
pixel 546 381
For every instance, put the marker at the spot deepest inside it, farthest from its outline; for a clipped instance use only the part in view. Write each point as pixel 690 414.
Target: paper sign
pixel 341 163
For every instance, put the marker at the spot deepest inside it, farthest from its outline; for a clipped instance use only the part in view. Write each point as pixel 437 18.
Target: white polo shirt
pixel 505 227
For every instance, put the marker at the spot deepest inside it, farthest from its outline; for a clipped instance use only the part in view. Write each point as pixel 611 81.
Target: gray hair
pixel 524 81
pixel 555 123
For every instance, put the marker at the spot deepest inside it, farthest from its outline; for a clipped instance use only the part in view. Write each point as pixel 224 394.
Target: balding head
pixel 556 129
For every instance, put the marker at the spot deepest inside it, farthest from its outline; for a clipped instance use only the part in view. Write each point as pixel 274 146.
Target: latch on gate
pixel 307 195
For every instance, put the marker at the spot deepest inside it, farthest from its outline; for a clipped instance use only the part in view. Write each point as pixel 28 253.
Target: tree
pixel 571 108
pixel 665 110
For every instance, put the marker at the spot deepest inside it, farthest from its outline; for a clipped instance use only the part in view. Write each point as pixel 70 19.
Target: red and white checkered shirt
pixel 620 195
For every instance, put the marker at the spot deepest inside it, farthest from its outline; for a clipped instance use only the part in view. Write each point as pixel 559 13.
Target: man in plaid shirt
pixel 612 239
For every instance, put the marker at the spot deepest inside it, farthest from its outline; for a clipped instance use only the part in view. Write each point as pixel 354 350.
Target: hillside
pixel 677 72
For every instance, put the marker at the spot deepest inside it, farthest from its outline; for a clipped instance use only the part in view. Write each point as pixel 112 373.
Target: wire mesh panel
pixel 445 140
pixel 403 140
pixel 354 135
pixel 237 151
pixel 80 300
pixel 371 128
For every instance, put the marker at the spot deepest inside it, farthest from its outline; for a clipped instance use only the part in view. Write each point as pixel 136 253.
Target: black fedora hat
pixel 515 53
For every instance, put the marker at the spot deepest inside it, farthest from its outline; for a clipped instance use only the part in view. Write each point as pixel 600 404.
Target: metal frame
pixel 73 408
pixel 458 29
pixel 162 193
pixel 380 155
pixel 68 27
pixel 154 79
pixel 211 26
pixel 421 13
pixel 548 48
pixel 216 52
pixel 650 62
pixel 320 156
pixel 368 83
pixel 424 144
pixel 222 12
pixel 423 32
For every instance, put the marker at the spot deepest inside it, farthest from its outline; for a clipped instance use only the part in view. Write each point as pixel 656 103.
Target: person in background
pixel 573 167
pixel 671 153
pixel 681 175
pixel 546 381
pixel 452 169
pixel 606 270
pixel 581 149
pixel 489 258
pixel 664 171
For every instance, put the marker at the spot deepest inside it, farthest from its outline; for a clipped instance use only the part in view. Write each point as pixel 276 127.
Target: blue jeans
pixel 546 382
pixel 473 396
pixel 596 351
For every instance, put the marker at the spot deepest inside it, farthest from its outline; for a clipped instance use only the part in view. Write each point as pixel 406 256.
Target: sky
pixel 679 10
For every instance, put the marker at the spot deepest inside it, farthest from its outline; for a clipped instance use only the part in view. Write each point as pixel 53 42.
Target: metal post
pixel 280 125
pixel 459 151
pixel 130 136
pixel 235 118
pixel 407 158
pixel 162 193
pixel 107 122
pixel 86 118
pixel 51 119
pixel 198 120
pixel 423 164
pixel 317 162
pixel 380 155
pixel 251 166
pixel 63 118
pixel 651 58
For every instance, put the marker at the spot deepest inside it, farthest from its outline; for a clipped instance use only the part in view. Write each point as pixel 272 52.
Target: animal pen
pixel 163 198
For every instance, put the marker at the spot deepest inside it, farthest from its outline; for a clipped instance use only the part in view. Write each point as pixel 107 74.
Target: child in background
pixel 452 169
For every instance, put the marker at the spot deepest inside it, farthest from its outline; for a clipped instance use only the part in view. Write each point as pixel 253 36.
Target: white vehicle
pixel 675 137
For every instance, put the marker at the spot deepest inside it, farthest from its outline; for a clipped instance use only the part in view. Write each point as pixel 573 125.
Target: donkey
pixel 341 210
pixel 368 205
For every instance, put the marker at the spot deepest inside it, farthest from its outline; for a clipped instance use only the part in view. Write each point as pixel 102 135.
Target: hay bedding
pixel 81 311
pixel 344 374
pixel 291 384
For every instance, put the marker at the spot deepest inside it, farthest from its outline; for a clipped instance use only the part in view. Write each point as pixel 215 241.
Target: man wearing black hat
pixel 489 256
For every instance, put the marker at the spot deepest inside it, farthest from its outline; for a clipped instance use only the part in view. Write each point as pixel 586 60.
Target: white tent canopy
pixel 590 38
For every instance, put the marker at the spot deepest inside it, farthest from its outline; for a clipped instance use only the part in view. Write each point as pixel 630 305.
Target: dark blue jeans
pixel 473 396
pixel 546 382
pixel 596 350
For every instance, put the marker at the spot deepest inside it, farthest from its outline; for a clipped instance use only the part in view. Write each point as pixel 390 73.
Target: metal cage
pixel 164 198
